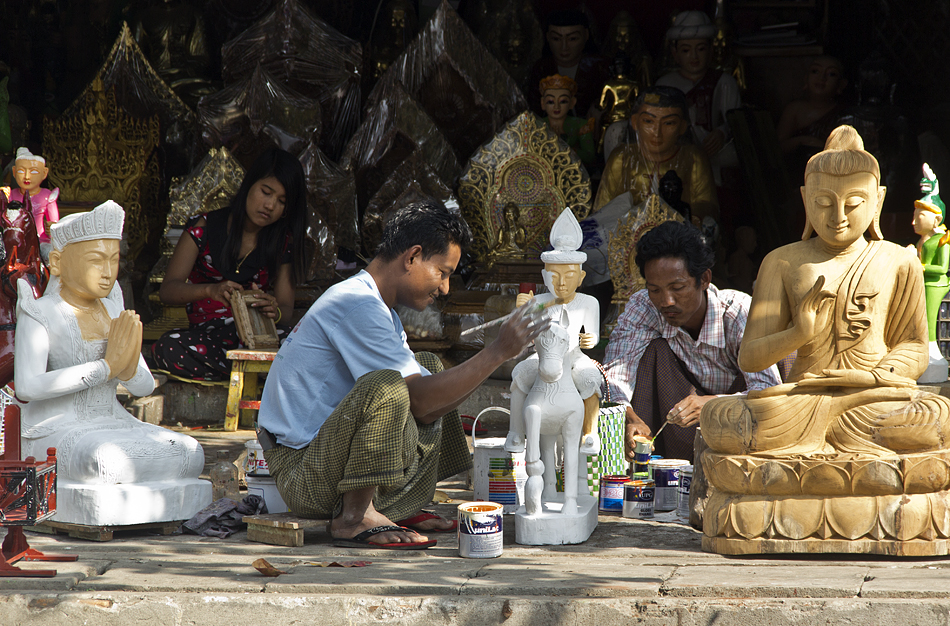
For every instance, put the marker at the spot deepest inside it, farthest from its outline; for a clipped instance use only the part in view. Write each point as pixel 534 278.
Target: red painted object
pixel 20 256
pixel 27 496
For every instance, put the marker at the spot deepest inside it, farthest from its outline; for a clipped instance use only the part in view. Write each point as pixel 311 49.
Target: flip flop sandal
pixel 423 516
pixel 362 540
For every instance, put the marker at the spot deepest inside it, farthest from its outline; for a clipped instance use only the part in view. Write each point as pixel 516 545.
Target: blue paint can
pixel 611 493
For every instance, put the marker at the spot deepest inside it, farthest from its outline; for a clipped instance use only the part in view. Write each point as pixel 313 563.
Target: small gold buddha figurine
pixel 616 99
pixel 511 239
pixel 623 37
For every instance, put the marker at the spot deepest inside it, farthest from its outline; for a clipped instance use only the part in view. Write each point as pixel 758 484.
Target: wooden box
pixel 255 329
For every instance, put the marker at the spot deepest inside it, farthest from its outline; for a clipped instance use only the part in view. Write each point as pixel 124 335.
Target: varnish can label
pixel 638 496
pixel 480 530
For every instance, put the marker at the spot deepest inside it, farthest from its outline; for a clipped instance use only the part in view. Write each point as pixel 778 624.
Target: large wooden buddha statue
pixel 849 455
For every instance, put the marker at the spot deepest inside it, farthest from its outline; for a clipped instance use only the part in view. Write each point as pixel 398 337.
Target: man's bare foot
pixel 343 528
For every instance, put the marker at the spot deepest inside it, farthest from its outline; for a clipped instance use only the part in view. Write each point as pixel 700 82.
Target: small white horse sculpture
pixel 553 407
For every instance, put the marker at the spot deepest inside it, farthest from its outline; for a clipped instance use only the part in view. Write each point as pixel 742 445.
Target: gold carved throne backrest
pixel 528 165
pixel 622 245
pixel 101 153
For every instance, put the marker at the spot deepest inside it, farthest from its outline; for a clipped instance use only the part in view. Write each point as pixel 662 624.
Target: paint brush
pixel 659 431
pixel 535 308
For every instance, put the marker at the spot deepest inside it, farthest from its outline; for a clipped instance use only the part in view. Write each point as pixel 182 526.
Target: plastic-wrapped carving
pixel 413 180
pixel 141 93
pixel 331 220
pixel 528 165
pixel 465 91
pixel 20 259
pixel 514 36
pixel 395 127
pixel 309 56
pixel 255 113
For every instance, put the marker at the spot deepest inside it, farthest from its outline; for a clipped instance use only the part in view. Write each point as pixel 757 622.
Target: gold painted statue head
pixel 842 192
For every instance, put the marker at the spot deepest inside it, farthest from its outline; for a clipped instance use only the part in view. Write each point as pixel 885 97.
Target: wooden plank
pixel 275 536
pixel 251 355
pixel 280 529
pixel 101 533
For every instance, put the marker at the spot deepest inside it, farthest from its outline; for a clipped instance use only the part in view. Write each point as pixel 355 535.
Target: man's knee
pixel 381 386
pixel 430 361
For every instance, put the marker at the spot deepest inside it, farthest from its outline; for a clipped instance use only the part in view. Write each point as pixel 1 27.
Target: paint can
pixel 638 499
pixel 641 455
pixel 254 463
pixel 686 479
pixel 266 488
pixel 611 493
pixel 480 530
pixel 498 476
pixel 666 473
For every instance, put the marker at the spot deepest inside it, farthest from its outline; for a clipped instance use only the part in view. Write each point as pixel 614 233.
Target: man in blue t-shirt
pixel 355 427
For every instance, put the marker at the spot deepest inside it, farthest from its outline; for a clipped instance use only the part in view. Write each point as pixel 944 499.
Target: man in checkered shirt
pixel 676 345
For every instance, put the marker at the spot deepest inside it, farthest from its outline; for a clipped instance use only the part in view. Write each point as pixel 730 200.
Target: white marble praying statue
pixel 557 393
pixel 73 346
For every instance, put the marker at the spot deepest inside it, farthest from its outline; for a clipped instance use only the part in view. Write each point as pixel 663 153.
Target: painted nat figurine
pixel 934 253
pixel 20 258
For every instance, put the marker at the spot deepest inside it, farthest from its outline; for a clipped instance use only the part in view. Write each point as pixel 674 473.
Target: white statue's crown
pixel 103 222
pixel 566 237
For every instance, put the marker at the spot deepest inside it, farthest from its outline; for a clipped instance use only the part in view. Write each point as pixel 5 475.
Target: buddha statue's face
pixel 557 102
pixel 87 269
pixel 564 279
pixel 925 222
pixel 567 43
pixel 29 173
pixel 692 56
pixel 840 208
pixel 658 129
pixel 622 37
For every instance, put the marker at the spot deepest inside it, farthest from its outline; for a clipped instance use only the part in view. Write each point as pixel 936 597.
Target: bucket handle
pixel 482 412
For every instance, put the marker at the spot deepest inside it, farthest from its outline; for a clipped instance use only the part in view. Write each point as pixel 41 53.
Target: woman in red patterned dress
pixel 256 244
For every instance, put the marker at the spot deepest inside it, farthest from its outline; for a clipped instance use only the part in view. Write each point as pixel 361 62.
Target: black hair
pixel 679 241
pixel 663 97
pixel 287 169
pixel 567 17
pixel 427 223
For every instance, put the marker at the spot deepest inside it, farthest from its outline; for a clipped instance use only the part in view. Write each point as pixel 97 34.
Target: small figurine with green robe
pixel 558 98
pixel 934 253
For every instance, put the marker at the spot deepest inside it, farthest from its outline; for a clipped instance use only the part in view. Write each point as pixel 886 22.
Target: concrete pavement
pixel 629 572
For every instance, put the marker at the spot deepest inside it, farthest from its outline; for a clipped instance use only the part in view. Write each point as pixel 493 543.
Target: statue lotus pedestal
pixel 550 527
pixel 897 506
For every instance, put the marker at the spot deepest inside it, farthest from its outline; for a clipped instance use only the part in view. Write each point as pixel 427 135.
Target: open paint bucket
pixel 498 476
pixel 666 473
pixel 266 488
pixel 480 530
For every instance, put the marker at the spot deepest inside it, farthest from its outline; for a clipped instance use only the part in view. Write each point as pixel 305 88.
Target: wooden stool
pixel 242 393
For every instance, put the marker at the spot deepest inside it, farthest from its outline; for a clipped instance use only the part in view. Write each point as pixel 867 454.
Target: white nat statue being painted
pixel 556 393
pixel 73 347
